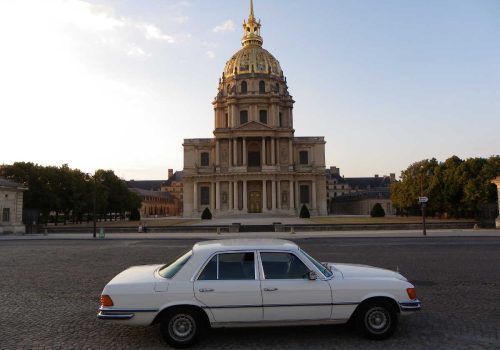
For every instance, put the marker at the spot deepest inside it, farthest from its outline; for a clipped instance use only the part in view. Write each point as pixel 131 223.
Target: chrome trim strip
pixel 277 323
pixel 276 305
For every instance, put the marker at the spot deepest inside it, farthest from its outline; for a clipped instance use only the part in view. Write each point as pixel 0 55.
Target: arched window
pixel 262 87
pixel 244 87
pixel 277 88
pixel 226 125
pixel 243 117
pixel 263 116
pixel 281 119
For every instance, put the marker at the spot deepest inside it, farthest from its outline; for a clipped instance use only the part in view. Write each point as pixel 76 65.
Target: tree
pixel 304 212
pixel 135 215
pixel 206 215
pixel 377 211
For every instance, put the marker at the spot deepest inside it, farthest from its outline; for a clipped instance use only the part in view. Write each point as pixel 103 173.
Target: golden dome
pixel 252 58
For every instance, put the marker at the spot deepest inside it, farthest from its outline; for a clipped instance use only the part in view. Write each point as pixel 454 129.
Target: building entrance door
pixel 255 202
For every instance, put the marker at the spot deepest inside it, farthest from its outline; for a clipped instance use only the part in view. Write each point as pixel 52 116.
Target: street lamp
pixel 94 202
pixel 423 200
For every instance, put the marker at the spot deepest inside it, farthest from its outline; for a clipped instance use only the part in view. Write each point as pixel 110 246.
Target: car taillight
pixel 412 293
pixel 106 300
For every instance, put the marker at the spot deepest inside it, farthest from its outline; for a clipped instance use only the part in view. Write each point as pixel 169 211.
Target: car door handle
pixel 270 289
pixel 206 290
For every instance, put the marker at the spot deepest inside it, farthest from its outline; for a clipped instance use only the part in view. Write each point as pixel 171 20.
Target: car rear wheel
pixel 377 320
pixel 182 328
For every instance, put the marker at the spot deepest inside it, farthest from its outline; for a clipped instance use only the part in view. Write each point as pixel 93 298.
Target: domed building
pixel 254 164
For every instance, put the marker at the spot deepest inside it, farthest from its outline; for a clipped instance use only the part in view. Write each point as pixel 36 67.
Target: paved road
pixel 49 293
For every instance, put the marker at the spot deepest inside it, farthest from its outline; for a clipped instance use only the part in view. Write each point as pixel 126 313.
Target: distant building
pixel 358 195
pixel 174 184
pixel 157 203
pixel 11 207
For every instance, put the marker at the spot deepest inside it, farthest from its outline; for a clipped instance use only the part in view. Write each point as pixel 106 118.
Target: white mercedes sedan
pixel 255 282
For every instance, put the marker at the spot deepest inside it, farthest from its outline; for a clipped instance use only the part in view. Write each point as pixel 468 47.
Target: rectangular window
pixel 304 157
pixel 304 194
pixel 205 196
pixel 283 266
pixel 243 117
pixel 263 116
pixel 281 119
pixel 6 215
pixel 205 158
pixel 230 266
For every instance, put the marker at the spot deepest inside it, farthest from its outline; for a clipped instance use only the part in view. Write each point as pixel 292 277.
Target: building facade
pixel 358 195
pixel 254 164
pixel 174 184
pixel 157 204
pixel 11 207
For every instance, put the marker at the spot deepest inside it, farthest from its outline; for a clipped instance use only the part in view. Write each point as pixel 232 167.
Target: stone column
pixel 195 197
pixel 278 153
pixel 273 195
pixel 264 195
pixel 235 195
pixel 244 155
pixel 290 152
pixel 217 153
pixel 217 196
pixel 313 199
pixel 279 194
pixel 264 151
pixel 230 160
pixel 230 199
pixel 235 152
pixel 297 195
pixel 273 151
pixel 497 183
pixel 212 196
pixel 245 207
pixel 291 199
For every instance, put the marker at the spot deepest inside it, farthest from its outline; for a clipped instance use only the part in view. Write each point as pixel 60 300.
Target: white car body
pixel 140 295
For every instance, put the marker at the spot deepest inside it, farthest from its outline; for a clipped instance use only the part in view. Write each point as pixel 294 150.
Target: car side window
pixel 229 266
pixel 278 266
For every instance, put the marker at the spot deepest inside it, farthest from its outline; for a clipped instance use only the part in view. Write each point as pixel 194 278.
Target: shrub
pixel 206 215
pixel 377 211
pixel 135 215
pixel 304 212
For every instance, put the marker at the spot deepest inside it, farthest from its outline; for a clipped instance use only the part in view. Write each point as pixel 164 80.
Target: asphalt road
pixel 49 294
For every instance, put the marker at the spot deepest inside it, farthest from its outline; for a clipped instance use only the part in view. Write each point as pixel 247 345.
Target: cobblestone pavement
pixel 49 294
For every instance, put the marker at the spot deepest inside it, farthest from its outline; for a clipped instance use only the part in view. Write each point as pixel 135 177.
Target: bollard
pixel 292 230
pixel 218 230
pixel 102 235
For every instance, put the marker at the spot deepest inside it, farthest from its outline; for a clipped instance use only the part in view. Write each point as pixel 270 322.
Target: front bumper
pixel 413 305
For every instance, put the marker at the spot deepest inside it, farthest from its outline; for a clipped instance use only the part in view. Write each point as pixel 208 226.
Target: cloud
pixel 152 32
pixel 224 27
pixel 210 54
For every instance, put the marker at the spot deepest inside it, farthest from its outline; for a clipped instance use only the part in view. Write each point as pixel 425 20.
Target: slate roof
pixel 9 184
pixel 149 185
pixel 178 175
pixel 147 193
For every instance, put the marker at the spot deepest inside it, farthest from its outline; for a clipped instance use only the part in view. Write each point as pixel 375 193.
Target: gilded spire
pixel 251 30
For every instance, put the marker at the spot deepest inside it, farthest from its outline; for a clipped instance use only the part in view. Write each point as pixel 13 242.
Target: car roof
pixel 243 244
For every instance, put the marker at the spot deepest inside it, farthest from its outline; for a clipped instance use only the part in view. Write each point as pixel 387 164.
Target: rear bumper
pixel 413 305
pixel 121 314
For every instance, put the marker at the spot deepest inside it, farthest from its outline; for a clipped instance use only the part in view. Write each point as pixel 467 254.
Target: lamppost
pixel 93 178
pixel 423 200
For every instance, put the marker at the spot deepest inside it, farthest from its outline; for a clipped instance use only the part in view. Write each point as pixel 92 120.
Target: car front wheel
pixel 377 320
pixel 181 328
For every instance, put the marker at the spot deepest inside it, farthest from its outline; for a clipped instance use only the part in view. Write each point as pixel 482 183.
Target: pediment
pixel 254 126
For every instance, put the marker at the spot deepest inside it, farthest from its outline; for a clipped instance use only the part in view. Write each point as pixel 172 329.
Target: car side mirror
pixel 312 276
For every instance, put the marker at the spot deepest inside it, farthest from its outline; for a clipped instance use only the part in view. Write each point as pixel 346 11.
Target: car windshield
pixel 171 269
pixel 324 270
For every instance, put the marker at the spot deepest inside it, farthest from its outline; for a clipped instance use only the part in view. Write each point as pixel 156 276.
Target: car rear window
pixel 170 270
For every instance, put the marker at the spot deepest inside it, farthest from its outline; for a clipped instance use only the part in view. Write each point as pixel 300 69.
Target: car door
pixel 229 287
pixel 288 293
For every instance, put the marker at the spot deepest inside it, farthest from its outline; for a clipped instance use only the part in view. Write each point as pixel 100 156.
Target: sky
pixel 119 84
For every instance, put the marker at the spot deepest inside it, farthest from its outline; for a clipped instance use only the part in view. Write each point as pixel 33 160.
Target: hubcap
pixel 182 327
pixel 377 319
